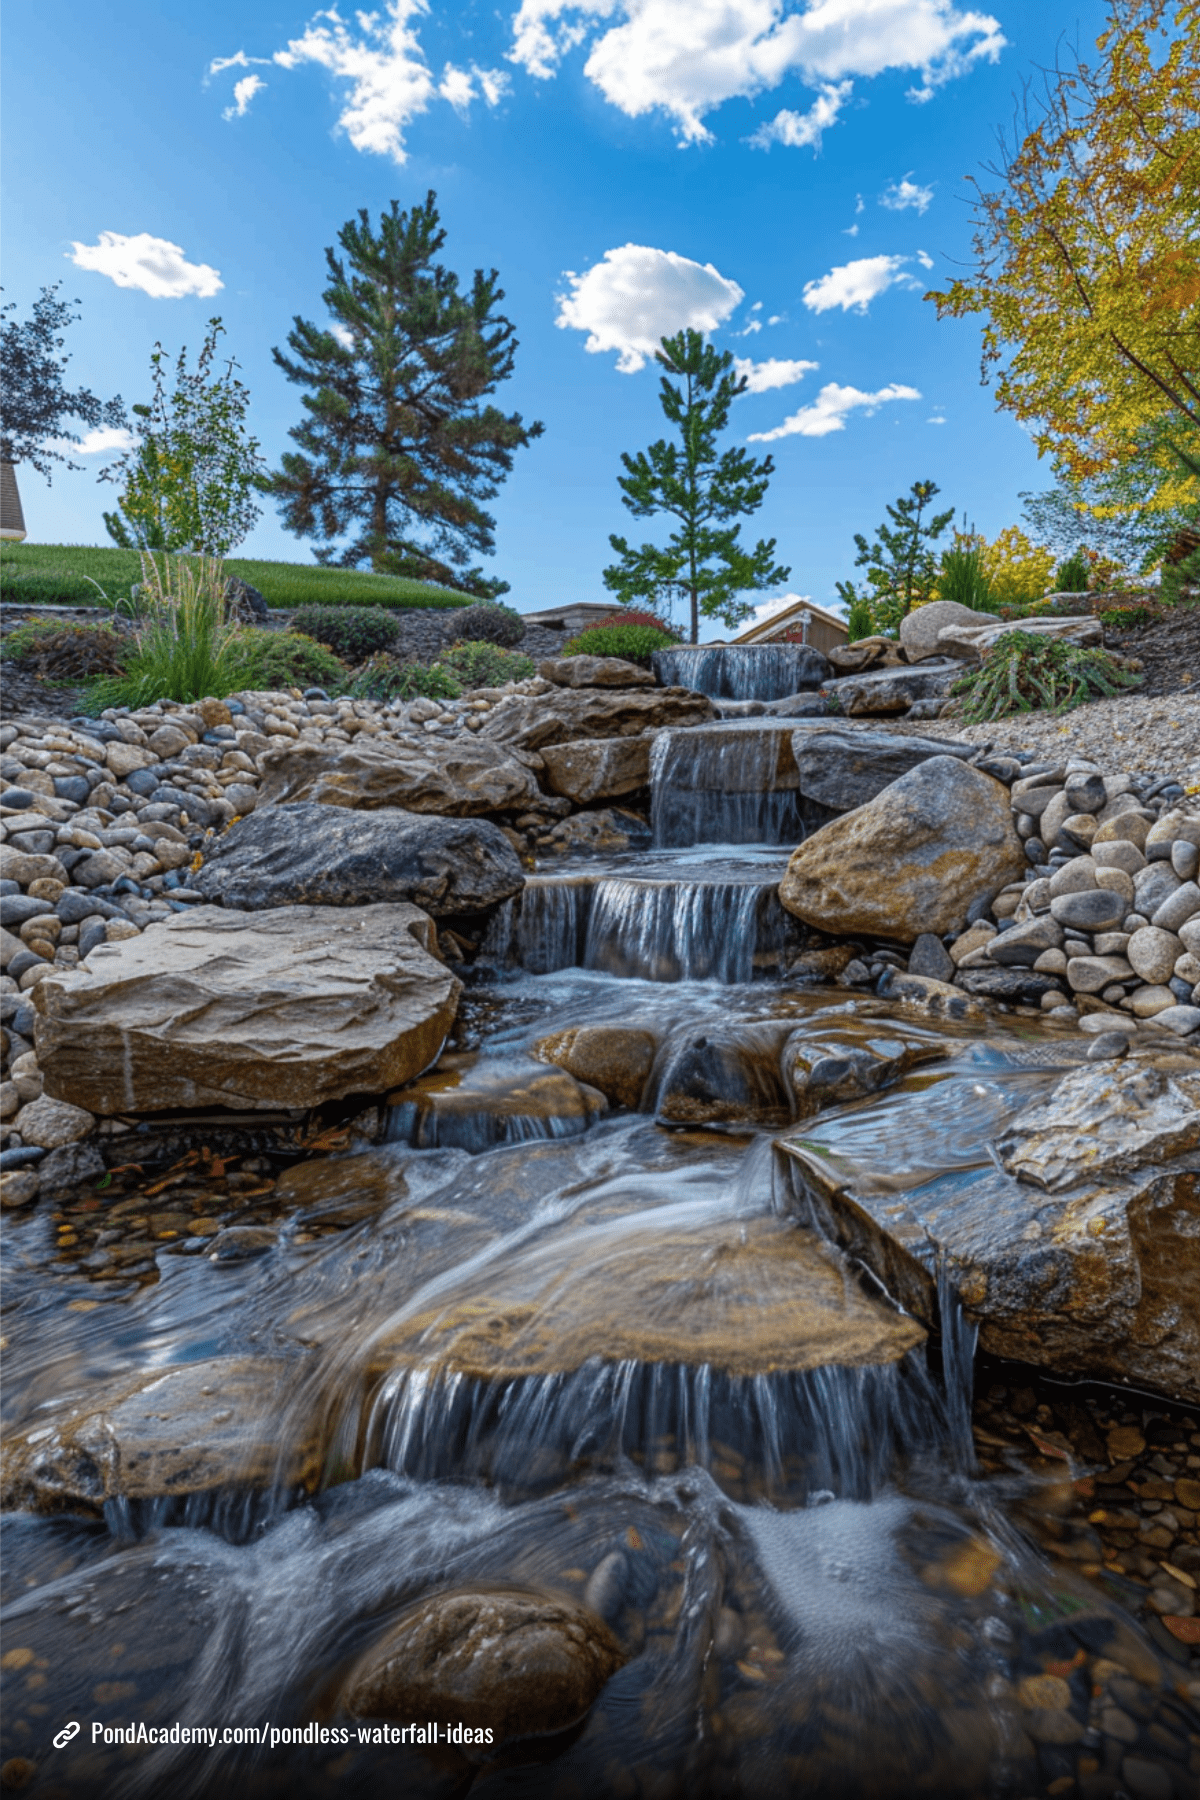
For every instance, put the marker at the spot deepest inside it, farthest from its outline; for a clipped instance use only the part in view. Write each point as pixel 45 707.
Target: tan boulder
pixel 615 1059
pixel 290 1007
pixel 565 714
pixel 919 629
pixel 911 860
pixel 460 778
pixel 977 639
pixel 598 768
pixel 49 1123
pixel 594 671
pixel 472 1102
pixel 123 758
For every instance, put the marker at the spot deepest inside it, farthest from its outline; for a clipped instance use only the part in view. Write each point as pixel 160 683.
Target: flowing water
pixel 558 1346
pixel 741 671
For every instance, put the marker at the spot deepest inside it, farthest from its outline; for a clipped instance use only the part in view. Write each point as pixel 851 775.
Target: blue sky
pixel 789 176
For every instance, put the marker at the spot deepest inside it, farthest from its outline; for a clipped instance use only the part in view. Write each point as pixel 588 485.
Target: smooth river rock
pixel 912 860
pixel 306 854
pixel 513 1663
pixel 919 629
pixel 615 1059
pixel 289 1008
pixel 844 768
pixel 459 777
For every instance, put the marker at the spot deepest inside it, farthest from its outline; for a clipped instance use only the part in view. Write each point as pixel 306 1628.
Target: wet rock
pixel 216 1008
pixel 594 672
pixel 598 769
pixel 532 721
pixel 184 1430
pixel 827 1069
pixel 603 833
pixel 1097 1277
pixel 304 854
pixel 930 957
pixel 722 1075
pixel 614 1059
pixel 463 777
pixel 473 1103
pixel 1023 944
pixel 69 1167
pixel 50 1123
pixel 511 1663
pixel 919 629
pixel 927 998
pixel 912 860
pixel 893 690
pixel 843 769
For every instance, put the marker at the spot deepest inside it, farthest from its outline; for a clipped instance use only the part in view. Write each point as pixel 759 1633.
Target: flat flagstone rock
pixel 289 1007
pixel 460 777
pixel 305 854
pixel 531 721
pixel 844 768
pixel 598 768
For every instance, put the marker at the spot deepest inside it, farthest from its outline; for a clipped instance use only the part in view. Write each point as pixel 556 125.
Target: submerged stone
pixel 615 1059
pixel 474 1103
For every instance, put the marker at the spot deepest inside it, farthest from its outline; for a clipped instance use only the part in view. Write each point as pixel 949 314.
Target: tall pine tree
pixel 399 450
pixel 703 563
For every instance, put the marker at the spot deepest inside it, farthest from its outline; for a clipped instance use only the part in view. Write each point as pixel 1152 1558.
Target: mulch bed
pixel 1168 647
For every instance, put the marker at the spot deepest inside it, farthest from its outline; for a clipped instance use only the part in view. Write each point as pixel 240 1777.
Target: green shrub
pixel 963 577
pixel 385 677
pixel 1024 670
pixel 1071 576
pixel 632 643
pixel 282 659
pixel 490 623
pixel 351 632
pixel 480 664
pixel 860 619
pixel 631 616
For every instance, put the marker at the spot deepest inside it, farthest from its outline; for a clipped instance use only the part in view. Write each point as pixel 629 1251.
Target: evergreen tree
pixel 902 565
pixel 703 562
pixel 34 403
pixel 398 447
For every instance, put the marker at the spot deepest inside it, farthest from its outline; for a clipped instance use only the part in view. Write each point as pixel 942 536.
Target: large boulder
pixel 459 777
pixel 892 690
pixel 1061 1205
pixel 594 672
pixel 304 854
pixel 919 629
pixel 912 860
pixel 976 637
pixel 291 1008
pixel 845 768
pixel 598 768
pixel 498 1664
pixel 531 721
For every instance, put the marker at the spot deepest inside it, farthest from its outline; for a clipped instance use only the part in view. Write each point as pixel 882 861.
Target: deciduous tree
pixel 703 562
pixel 35 403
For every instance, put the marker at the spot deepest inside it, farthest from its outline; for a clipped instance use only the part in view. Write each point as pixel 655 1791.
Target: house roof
pixel 780 621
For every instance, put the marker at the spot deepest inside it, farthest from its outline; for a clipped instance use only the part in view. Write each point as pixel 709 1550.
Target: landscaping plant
pixel 283 659
pixel 480 664
pixel 963 575
pixel 351 632
pixel 631 643
pixel 901 565
pixel 489 623
pixel 384 677
pixel 184 646
pixel 61 654
pixel 1025 670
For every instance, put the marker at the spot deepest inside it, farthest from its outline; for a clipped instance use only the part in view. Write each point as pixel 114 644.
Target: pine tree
pixel 901 565
pixel 397 447
pixel 703 562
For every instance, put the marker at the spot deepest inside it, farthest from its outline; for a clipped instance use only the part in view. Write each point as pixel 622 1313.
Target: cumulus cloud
pixel 636 296
pixel 156 266
pixel 102 440
pixel 854 285
pixel 769 609
pixel 829 410
pixel 381 60
pixel 243 93
pixel 776 372
pixel 687 57
pixel 898 196
pixel 797 130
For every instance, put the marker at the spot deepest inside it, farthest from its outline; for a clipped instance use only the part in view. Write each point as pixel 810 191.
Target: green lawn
pixel 48 574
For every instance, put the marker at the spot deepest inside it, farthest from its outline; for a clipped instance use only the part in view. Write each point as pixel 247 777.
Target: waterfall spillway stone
pixel 743 671
pixel 728 784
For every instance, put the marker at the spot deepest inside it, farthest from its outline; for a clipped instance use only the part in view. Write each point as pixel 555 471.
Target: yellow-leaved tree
pixel 1018 571
pixel 1087 252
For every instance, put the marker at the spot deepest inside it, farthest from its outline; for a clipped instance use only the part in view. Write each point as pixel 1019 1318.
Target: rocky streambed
pixel 497 1235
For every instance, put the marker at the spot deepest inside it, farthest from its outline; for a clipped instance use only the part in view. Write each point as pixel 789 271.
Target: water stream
pixel 568 1345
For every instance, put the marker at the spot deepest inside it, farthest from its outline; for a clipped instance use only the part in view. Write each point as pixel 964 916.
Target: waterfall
pixel 742 671
pixel 723 787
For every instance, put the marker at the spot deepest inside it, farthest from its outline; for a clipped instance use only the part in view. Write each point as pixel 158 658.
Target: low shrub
pixel 351 632
pixel 1025 670
pixel 183 647
pixel 488 622
pixel 1071 576
pixel 964 578
pixel 632 643
pixel 282 659
pixel 632 617
pixel 480 664
pixel 66 653
pixel 385 677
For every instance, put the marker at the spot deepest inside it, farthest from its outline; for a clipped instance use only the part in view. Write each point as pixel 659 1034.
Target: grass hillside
pixel 63 574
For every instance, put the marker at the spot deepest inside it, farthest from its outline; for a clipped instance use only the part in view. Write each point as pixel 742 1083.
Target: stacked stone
pixel 1108 914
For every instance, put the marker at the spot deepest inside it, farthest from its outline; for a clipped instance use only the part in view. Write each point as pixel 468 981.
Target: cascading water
pixel 742 671
pixel 729 784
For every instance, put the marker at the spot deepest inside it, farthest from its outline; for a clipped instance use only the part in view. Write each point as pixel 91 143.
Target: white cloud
pixel 156 266
pixel 343 334
pixel 390 82
pixel 102 440
pixel 829 410
pixel 768 609
pixel 636 296
pixel 239 60
pixel 686 57
pixel 899 195
pixel 458 86
pixel 925 261
pixel 801 129
pixel 937 419
pixel 856 284
pixel 775 373
pixel 243 93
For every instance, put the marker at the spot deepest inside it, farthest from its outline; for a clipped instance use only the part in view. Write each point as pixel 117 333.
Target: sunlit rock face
pixel 290 1007
pixel 464 778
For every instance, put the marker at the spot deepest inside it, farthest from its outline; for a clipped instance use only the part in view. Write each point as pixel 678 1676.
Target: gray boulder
pixel 919 629
pixel 304 854
pixel 846 768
